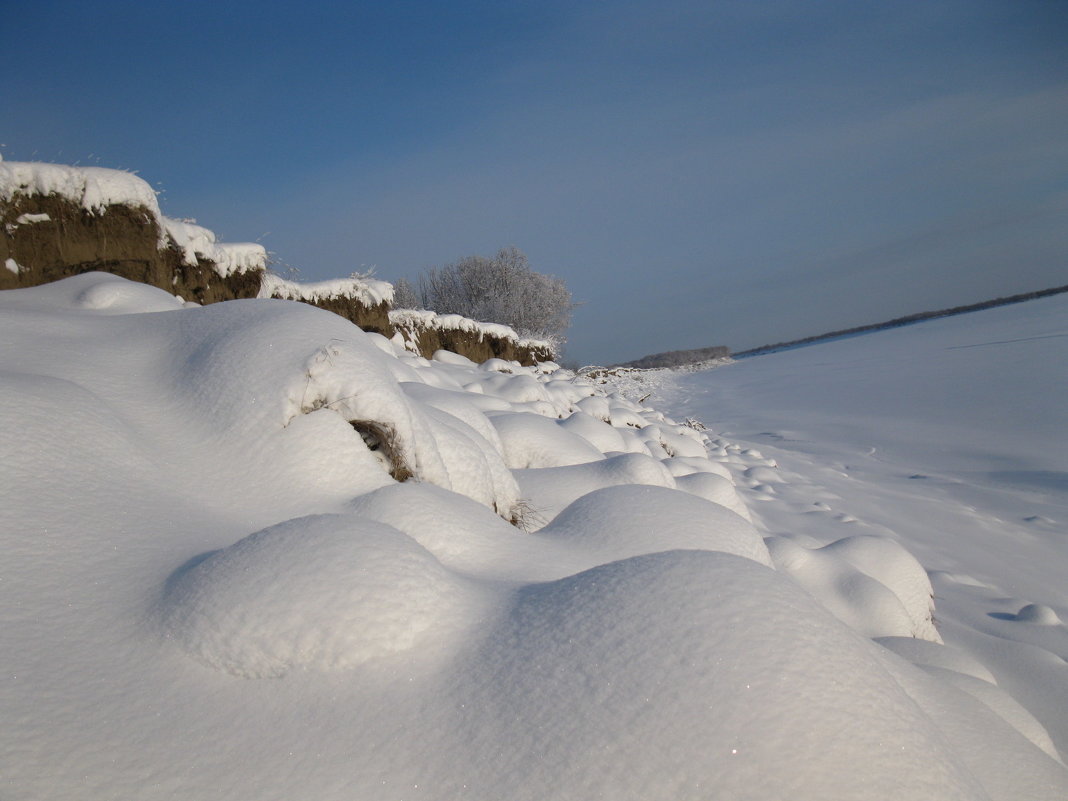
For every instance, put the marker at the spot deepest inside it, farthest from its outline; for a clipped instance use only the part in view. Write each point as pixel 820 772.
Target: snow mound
pixel 312 402
pixel 353 379
pixel 110 295
pixel 869 582
pixel 1039 614
pixel 523 391
pixel 624 521
pixel 461 405
pixel 95 293
pixel 326 592
pixel 466 537
pixel 550 489
pixel 595 431
pixel 457 530
pixel 530 440
pixel 695 675
pixel 685 466
pixel 714 487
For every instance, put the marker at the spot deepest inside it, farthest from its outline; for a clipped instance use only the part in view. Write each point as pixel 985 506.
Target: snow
pixel 325 592
pixel 92 188
pixel 599 667
pixel 870 583
pixel 368 291
pixel 420 318
pixel 27 219
pixel 627 520
pixel 251 552
pixel 946 437
pixel 530 440
pixel 416 320
pixel 196 242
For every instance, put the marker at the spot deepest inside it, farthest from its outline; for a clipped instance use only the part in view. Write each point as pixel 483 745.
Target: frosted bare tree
pixel 501 290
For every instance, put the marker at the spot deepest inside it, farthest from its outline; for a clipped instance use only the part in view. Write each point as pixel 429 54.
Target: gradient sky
pixel 699 173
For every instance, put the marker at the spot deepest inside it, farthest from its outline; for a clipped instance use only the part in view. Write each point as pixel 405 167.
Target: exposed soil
pixel 476 347
pixel 126 241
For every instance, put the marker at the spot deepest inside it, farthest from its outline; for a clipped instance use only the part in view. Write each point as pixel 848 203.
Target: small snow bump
pixel 1038 614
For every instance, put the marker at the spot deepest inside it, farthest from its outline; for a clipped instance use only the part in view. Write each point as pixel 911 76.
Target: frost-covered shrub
pixel 501 290
pixel 404 296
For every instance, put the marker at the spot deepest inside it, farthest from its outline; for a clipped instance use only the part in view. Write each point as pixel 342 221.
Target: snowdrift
pixel 253 552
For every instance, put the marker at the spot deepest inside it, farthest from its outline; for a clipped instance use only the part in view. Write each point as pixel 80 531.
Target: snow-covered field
pixel 950 437
pixel 250 552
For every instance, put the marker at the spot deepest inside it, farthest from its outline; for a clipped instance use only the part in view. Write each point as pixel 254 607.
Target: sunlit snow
pixel 252 552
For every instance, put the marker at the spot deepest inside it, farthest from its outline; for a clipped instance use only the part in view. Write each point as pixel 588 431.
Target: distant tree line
pixel 501 289
pixel 678 358
pixel 907 320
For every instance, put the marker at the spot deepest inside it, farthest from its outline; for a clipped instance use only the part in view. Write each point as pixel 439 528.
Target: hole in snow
pixel 381 441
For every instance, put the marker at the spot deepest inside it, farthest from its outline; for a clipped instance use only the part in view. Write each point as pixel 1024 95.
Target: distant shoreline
pixel 897 322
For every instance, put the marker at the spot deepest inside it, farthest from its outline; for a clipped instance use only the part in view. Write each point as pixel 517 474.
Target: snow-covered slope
pixel 251 552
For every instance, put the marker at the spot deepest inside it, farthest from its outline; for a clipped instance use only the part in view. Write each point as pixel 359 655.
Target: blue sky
pixel 699 173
